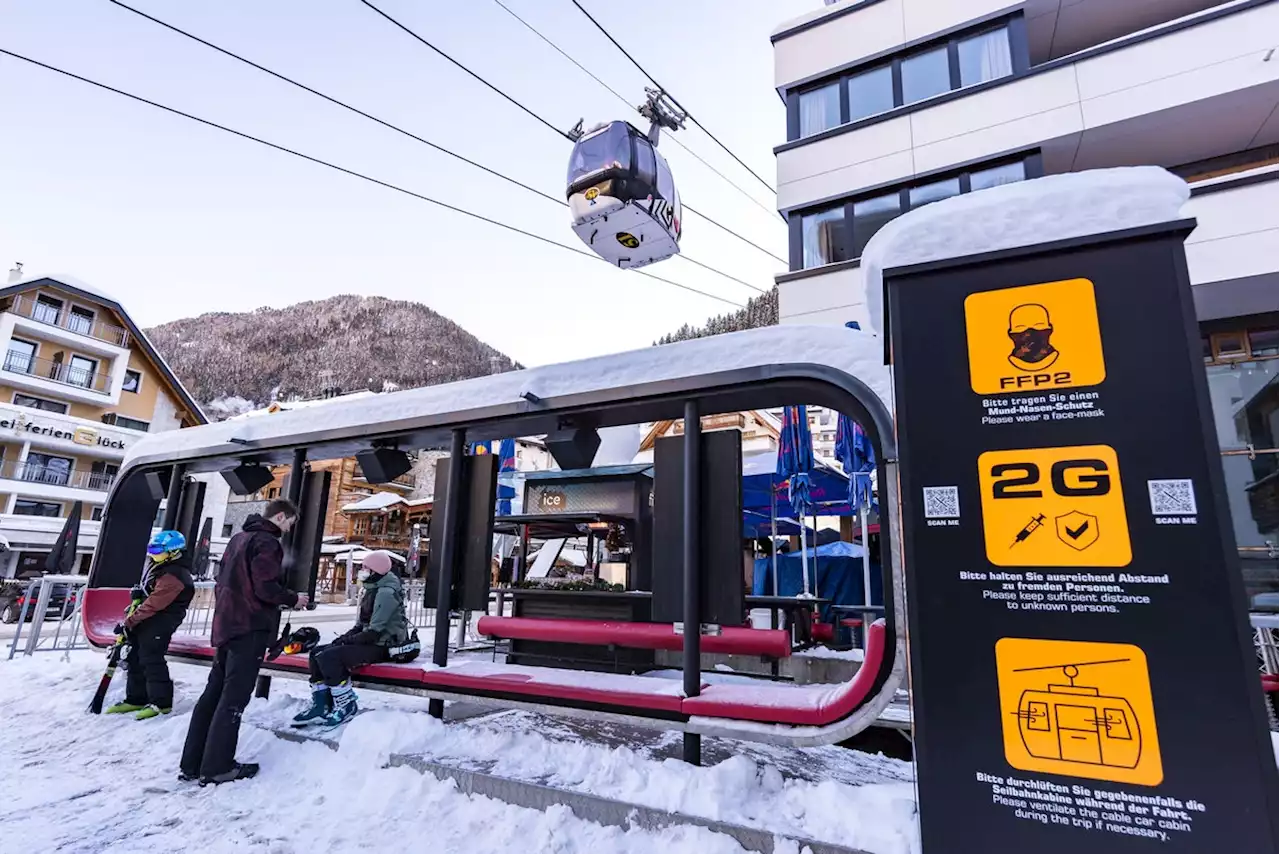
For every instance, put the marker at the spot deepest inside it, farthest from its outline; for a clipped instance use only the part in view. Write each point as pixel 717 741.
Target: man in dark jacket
pixel 168 590
pixel 249 594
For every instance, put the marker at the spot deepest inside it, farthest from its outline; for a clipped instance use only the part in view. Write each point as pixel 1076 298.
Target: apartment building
pixel 79 385
pixel 894 104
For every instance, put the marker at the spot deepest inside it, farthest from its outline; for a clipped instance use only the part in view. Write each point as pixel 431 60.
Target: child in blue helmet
pixel 166 591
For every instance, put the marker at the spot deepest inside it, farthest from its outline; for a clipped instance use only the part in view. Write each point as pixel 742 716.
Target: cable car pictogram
pixel 1077 723
pixel 623 199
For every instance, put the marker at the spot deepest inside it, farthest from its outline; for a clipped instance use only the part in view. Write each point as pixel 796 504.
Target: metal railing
pixel 401 480
pixel 18 362
pixel 32 472
pixel 64 318
pixel 40 601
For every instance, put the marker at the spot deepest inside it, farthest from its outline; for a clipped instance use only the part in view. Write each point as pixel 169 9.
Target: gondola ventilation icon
pixel 1077 723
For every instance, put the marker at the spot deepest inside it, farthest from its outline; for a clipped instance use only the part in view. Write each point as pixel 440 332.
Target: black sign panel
pixel 1082 674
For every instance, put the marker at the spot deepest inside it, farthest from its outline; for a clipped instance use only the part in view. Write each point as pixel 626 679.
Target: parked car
pixel 13 596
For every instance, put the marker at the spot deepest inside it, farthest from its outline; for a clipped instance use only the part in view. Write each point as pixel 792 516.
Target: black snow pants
pixel 148 679
pixel 333 664
pixel 215 724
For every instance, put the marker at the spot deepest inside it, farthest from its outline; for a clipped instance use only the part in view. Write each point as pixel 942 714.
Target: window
pixel 81 371
pixel 39 403
pixel 870 92
pixel 608 148
pixel 984 57
pixel 27 507
pixel 80 320
pixel 128 423
pixel 132 380
pixel 21 356
pixel 228 529
pixel 822 236
pixel 1009 173
pixel 101 474
pixel 646 166
pixel 47 309
pixel 925 75
pixel 965 59
pixel 819 109
pixel 46 468
pixel 935 192
pixel 96 515
pixel 869 215
pixel 841 232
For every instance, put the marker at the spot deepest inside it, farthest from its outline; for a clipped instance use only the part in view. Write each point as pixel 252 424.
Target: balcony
pixel 27 305
pixel 64 373
pixel 404 481
pixel 49 475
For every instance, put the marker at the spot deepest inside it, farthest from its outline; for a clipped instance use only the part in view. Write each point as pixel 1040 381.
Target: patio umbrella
pixel 795 461
pixel 856 455
pixel 62 559
pixel 200 557
pixel 506 475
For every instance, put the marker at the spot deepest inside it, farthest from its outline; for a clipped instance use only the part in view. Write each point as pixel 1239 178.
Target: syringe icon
pixel 1036 522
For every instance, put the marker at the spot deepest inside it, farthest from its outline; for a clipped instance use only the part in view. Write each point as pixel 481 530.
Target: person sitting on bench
pixel 381 624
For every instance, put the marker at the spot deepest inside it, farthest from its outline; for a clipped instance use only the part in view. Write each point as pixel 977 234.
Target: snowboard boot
pixel 151 711
pixel 239 771
pixel 344 705
pixel 126 708
pixel 321 705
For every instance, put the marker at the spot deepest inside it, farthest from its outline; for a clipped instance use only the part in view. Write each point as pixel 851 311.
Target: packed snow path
pixel 78 783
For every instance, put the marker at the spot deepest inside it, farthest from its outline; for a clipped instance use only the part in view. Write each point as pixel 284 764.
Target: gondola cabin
pixel 1077 723
pixel 622 197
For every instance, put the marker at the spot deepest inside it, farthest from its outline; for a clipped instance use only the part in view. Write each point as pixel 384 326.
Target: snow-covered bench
pixel 732 640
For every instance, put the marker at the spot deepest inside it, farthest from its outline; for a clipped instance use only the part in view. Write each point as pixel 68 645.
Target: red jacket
pixel 250 587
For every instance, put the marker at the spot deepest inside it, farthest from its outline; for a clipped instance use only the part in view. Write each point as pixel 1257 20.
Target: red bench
pixel 803 706
pixel 772 643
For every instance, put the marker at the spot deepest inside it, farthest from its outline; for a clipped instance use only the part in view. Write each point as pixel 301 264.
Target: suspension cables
pixel 344 105
pixel 353 173
pixel 675 139
pixel 610 37
pixel 405 28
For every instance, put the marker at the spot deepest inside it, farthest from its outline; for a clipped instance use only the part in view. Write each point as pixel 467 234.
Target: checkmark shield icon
pixel 1078 530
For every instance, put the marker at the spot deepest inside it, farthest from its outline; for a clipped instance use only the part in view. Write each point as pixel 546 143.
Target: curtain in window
pixel 819 109
pixel 985 57
pixel 821 237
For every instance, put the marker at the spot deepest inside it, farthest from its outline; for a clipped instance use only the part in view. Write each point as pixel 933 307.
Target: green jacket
pixel 382 609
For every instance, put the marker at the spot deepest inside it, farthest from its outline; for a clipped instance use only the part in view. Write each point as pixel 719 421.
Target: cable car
pixel 1077 723
pixel 621 194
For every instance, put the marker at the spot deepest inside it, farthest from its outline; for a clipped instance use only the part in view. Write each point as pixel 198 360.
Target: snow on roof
pixel 1056 207
pixel 289 405
pixel 377 501
pixel 71 281
pixel 853 352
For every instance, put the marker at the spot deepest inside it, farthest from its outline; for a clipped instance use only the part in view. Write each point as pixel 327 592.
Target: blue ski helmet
pixel 166 543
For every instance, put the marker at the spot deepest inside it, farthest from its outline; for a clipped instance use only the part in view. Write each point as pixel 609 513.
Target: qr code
pixel 1172 497
pixel 941 502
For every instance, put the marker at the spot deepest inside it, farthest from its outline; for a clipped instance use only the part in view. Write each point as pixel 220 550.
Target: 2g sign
pixel 1054 507
pixel 1087 477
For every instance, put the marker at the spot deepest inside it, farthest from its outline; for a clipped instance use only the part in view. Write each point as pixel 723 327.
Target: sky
pixel 176 219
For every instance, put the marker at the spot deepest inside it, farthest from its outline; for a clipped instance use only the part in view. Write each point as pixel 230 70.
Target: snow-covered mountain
pixel 232 363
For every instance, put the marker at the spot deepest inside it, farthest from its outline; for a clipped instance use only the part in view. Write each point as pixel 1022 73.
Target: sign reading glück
pixel 89 436
pixel 1082 678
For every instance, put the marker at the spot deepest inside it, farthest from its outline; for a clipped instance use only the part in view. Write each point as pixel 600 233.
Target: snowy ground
pixel 80 783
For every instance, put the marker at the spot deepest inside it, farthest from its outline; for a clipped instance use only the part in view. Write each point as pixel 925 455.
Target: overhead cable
pixel 353 173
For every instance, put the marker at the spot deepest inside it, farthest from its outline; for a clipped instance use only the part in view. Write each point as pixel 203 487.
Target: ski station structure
pixel 1093 247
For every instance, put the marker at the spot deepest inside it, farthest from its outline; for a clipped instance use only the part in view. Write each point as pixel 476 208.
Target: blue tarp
pixel 828 488
pixel 756 525
pixel 835 574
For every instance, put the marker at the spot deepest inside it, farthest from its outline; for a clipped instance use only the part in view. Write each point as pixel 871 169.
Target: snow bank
pixel 859 355
pixel 82 784
pixel 1056 207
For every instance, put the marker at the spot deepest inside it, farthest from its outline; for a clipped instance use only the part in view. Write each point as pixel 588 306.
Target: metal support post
pixel 177 475
pixel 692 569
pixel 448 554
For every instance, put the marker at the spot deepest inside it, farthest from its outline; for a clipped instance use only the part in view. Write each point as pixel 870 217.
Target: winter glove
pixel 368 636
pixel 124 633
